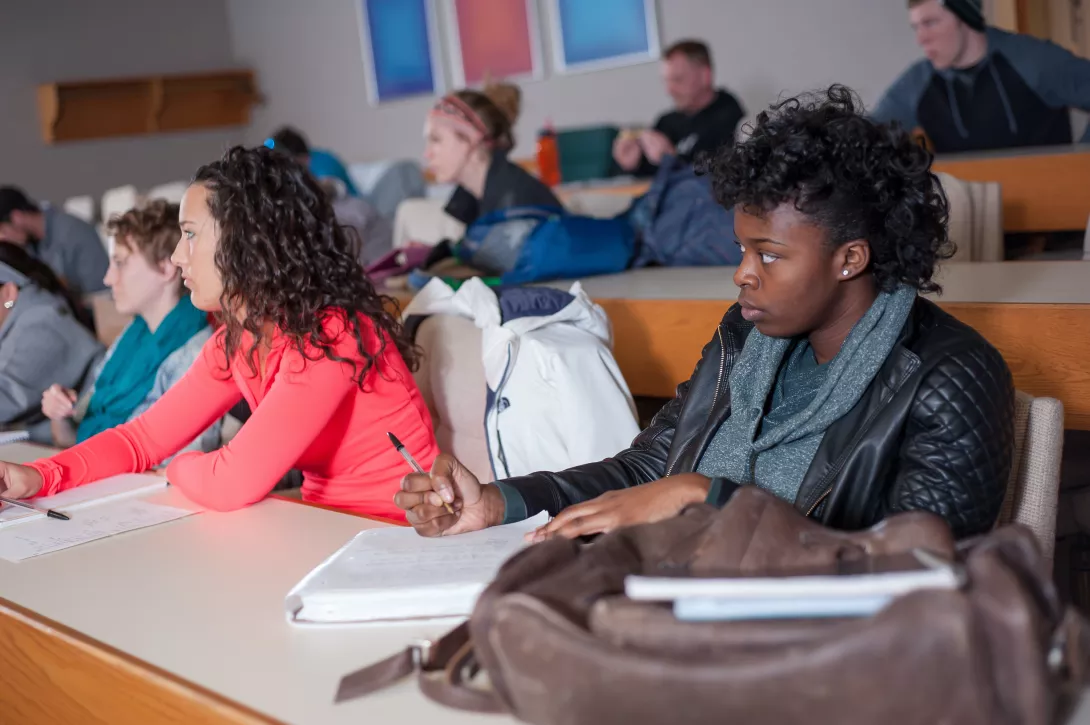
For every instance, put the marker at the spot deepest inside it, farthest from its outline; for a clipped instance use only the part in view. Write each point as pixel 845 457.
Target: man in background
pixel 980 88
pixel 70 246
pixel 703 118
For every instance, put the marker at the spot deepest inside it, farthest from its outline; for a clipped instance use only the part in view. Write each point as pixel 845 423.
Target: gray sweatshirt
pixel 41 343
pixel 72 248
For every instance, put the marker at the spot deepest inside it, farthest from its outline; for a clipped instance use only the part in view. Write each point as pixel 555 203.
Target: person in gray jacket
pixel 41 340
pixel 980 88
pixel 70 246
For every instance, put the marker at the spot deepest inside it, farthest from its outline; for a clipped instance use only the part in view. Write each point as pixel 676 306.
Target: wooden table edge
pixel 79 651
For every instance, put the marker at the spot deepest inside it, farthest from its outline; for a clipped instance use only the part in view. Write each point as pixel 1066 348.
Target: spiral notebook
pixel 13 436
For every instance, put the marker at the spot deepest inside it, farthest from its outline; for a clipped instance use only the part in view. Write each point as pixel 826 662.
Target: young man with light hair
pixel 980 88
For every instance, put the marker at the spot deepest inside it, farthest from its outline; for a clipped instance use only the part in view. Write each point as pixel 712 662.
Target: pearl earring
pixel 9 304
pixel 845 273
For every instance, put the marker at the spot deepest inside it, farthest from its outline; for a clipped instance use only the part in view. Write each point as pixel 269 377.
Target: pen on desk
pixel 412 462
pixel 48 512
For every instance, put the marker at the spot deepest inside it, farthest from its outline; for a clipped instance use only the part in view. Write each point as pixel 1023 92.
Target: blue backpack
pixel 679 222
pixel 535 244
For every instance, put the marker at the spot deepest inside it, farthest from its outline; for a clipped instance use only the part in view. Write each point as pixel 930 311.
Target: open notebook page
pixel 108 489
pixel 43 536
pixel 395 574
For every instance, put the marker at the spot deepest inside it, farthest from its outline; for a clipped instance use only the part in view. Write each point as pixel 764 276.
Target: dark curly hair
pixel 44 278
pixel 283 256
pixel 856 178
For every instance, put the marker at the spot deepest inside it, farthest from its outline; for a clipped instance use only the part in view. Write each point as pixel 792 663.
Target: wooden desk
pixel 1043 190
pixel 1036 313
pixel 630 189
pixel 184 623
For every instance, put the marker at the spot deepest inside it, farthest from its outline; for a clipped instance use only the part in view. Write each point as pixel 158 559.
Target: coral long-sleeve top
pixel 308 413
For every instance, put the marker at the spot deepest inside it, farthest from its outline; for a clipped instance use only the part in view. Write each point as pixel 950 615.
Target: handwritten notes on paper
pixel 42 536
pixel 91 494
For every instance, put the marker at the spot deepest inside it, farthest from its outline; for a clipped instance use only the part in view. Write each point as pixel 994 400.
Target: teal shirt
pixel 797 382
pixel 324 165
pixel 172 370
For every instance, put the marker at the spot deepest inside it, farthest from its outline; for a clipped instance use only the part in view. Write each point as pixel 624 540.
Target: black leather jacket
pixel 934 431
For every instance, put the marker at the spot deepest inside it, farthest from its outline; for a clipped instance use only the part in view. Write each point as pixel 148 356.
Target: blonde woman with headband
pixel 467 139
pixel 42 341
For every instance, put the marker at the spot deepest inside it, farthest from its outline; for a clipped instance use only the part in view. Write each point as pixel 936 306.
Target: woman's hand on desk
pixel 19 481
pixel 644 504
pixel 422 497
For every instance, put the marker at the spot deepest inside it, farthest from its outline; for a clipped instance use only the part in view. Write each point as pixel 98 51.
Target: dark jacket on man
pixel 934 431
pixel 702 132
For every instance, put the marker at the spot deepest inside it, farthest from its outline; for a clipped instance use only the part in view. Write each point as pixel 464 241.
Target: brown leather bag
pixel 562 645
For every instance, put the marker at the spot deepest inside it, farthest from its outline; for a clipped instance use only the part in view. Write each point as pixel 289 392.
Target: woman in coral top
pixel 306 340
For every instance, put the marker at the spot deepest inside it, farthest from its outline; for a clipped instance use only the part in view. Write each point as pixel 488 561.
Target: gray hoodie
pixel 41 343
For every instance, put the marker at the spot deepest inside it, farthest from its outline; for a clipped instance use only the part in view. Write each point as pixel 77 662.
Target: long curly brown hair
pixel 285 260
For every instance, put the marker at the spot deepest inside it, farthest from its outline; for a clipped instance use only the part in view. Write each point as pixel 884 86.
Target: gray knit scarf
pixel 779 458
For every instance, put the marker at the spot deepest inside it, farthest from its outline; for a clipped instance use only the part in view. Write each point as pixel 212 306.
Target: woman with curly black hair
pixel 831 383
pixel 306 340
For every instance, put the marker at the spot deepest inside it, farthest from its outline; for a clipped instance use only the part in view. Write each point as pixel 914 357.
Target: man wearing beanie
pixel 980 88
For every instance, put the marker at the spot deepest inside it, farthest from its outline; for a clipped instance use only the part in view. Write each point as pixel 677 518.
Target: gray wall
pixel 308 59
pixel 49 40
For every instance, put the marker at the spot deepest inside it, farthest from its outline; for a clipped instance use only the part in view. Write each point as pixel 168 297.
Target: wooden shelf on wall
pixel 81 110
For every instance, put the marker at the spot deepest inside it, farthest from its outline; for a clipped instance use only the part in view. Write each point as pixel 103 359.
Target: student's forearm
pixel 109 453
pixel 64 433
pixel 293 414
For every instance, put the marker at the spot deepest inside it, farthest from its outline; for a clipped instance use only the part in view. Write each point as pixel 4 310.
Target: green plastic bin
pixel 586 153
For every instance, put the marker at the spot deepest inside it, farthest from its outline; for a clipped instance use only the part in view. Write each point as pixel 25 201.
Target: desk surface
pixel 982 282
pixel 203 599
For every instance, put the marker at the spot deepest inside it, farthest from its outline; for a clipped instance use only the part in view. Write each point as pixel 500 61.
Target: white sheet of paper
pixel 13 436
pixel 397 574
pixel 34 538
pixel 108 489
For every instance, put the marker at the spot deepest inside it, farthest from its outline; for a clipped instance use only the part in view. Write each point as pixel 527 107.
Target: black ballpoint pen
pixel 48 512
pixel 412 462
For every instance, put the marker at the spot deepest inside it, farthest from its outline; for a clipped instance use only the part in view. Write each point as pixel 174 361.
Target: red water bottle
pixel 548 156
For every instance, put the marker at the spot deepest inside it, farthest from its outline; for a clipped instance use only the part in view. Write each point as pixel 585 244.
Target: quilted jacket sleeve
pixel 959 441
pixel 642 462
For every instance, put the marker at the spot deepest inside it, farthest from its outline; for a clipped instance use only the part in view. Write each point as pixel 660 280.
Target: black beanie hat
pixel 971 12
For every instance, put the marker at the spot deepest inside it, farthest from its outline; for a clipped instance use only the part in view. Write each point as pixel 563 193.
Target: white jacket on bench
pixel 555 396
